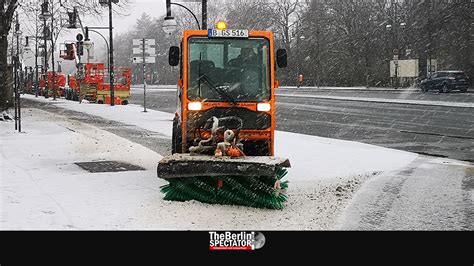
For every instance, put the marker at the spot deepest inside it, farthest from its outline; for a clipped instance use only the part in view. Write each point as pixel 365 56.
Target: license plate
pixel 213 33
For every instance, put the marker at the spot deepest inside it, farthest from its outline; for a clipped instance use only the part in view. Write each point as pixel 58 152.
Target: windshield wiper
pixel 199 73
pixel 219 89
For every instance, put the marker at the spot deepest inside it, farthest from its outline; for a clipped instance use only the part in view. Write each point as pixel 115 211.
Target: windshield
pixel 229 69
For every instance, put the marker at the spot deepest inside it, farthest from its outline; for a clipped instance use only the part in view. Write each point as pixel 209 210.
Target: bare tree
pixel 7 10
pixel 247 14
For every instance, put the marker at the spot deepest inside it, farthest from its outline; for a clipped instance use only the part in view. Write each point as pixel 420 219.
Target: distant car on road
pixel 446 81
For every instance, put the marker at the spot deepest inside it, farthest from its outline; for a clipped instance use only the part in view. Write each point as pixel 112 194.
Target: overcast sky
pixel 121 24
pixel 154 8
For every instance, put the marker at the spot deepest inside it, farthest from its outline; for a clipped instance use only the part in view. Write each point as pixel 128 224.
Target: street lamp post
pixel 28 69
pixel 52 52
pixel 45 52
pixel 88 43
pixel 170 25
pixel 394 29
pixel 189 10
pixel 395 54
pixel 18 69
pixel 111 48
pixel 36 65
pixel 204 14
pixel 396 51
pixel 44 15
pixel 111 59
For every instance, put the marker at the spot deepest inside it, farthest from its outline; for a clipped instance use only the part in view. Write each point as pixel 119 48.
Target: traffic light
pixel 46 32
pixel 80 48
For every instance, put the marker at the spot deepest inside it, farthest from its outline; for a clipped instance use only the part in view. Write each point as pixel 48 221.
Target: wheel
pixel 100 102
pixel 464 90
pixel 176 138
pixel 423 89
pixel 124 102
pixel 445 88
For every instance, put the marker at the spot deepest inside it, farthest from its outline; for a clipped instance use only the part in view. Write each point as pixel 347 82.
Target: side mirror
pixel 282 58
pixel 173 56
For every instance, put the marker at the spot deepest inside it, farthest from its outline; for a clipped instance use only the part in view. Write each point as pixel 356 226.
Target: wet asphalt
pixel 446 132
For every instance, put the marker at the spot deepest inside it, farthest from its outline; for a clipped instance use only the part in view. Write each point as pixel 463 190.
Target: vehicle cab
pixel 226 73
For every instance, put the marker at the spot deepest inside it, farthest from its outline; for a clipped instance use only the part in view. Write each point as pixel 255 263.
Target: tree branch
pixel 9 14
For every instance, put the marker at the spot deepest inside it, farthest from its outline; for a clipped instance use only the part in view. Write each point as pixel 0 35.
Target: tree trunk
pixel 6 100
pixel 7 8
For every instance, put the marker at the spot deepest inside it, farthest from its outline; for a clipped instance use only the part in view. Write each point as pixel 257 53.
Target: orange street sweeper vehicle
pixel 224 125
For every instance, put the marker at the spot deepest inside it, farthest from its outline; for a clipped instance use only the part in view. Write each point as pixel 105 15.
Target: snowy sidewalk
pixel 42 188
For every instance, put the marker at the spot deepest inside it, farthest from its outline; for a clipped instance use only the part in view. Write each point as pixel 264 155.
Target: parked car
pixel 446 81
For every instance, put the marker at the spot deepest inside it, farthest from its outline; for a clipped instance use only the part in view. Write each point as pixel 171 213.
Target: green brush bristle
pixel 256 192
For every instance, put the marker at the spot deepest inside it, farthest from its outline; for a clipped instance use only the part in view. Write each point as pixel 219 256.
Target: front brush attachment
pixel 247 181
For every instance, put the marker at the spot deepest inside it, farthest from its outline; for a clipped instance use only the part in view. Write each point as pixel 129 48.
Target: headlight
pixel 194 106
pixel 264 107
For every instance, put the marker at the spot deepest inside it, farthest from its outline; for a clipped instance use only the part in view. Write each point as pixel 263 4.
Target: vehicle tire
pixel 464 90
pixel 423 88
pixel 445 88
pixel 124 102
pixel 100 102
pixel 176 138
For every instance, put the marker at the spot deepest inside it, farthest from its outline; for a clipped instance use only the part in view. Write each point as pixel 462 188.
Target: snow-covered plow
pixel 249 181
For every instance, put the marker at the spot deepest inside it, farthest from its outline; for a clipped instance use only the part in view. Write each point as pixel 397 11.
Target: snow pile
pixel 315 157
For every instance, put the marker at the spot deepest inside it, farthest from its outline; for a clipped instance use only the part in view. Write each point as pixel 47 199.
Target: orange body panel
pixel 267 134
